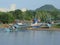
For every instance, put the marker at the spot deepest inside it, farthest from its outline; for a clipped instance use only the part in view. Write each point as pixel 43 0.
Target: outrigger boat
pixel 21 26
pixel 17 26
pixel 35 23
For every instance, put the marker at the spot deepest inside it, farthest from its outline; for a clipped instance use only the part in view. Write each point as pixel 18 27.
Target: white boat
pixel 45 25
pixel 19 23
pixel 17 26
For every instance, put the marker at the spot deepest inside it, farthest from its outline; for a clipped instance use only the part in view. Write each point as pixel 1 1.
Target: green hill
pixel 47 8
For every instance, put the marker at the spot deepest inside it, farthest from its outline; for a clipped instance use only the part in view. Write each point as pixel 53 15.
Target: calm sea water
pixel 29 37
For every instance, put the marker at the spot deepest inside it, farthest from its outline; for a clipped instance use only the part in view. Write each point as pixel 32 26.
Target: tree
pixel 28 15
pixel 17 14
pixel 44 16
pixel 55 14
pixel 6 17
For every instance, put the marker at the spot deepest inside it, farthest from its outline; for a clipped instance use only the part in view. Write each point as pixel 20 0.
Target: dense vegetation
pixel 44 13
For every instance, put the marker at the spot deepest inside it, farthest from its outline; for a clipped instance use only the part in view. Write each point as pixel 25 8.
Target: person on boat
pixel 35 20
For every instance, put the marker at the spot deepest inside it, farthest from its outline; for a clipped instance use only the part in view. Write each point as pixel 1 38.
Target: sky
pixel 29 4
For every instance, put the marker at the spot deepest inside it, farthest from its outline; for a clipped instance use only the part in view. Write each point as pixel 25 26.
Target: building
pixel 23 9
pixel 12 8
pixel 3 10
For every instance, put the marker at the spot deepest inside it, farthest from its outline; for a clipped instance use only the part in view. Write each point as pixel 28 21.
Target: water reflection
pixel 29 37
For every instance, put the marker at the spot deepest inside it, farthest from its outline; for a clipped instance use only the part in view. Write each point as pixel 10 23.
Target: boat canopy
pixel 35 20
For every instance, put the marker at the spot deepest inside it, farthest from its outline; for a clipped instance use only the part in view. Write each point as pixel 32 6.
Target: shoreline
pixel 42 29
pixel 45 29
pixel 4 25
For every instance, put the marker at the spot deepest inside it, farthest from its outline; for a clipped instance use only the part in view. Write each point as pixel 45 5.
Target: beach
pixel 30 28
pixel 4 25
pixel 44 29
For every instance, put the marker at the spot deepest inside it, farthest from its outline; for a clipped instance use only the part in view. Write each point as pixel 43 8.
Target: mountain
pixel 58 9
pixel 47 8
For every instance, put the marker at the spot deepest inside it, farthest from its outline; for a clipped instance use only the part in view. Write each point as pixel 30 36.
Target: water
pixel 29 37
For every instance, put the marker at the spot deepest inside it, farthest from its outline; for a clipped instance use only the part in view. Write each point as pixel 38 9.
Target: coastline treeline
pixel 45 13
